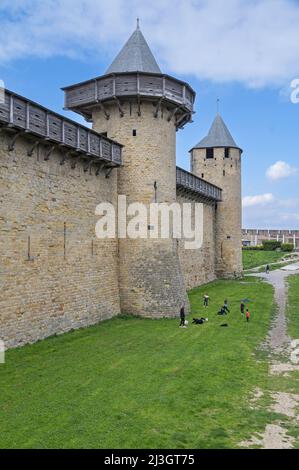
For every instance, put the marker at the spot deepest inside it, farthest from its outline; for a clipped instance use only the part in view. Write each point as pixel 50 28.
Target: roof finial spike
pixel 218 101
pixel 138 23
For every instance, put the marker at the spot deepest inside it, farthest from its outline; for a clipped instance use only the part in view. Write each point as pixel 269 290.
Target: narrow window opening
pixel 202 175
pixel 210 153
pixel 223 172
pixel 134 133
pixel 226 153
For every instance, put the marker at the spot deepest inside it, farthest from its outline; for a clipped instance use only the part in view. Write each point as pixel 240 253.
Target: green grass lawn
pixel 293 306
pixel 140 383
pixel 252 258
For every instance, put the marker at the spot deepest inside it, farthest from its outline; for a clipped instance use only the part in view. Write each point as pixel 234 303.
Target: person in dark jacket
pixel 206 299
pixel 182 316
pixel 222 311
pixel 242 308
pixel 225 306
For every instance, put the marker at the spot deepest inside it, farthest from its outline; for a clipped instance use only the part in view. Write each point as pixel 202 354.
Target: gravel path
pixel 275 435
pixel 278 339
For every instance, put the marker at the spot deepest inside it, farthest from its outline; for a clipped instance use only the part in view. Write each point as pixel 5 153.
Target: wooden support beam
pixel 88 142
pixel 138 105
pixel 102 107
pixel 27 115
pixel 173 113
pixel 11 106
pixel 99 168
pixel 158 107
pixel 62 132
pixel 34 146
pixel 47 126
pixel 95 90
pixel 108 171
pixel 182 118
pixel 87 166
pixel 121 111
pixel 78 138
pixel 138 83
pixel 49 152
pixel 13 140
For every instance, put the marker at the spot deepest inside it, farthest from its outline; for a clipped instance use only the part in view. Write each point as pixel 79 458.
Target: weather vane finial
pixel 137 23
pixel 218 101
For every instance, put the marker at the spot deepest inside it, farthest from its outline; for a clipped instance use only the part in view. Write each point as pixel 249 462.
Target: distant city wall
pixel 256 236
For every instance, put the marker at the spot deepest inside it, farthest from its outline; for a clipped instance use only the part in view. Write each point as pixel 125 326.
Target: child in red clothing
pixel 247 315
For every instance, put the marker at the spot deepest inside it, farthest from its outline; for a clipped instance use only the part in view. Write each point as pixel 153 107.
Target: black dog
pixel 224 324
pixel 199 321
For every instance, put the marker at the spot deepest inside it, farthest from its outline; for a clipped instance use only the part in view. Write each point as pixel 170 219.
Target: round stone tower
pixel 142 108
pixel 217 159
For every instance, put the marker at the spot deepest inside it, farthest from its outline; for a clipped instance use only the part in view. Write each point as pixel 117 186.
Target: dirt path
pixel 278 339
pixel 278 342
pixel 291 260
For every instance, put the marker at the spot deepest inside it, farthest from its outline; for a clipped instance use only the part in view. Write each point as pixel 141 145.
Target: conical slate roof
pixel 218 136
pixel 135 56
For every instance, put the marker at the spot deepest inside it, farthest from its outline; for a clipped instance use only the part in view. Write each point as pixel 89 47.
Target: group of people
pixel 223 311
pixel 242 309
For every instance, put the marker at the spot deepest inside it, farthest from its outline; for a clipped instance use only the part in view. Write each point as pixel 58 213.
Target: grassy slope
pixel 252 259
pixel 141 383
pixel 293 306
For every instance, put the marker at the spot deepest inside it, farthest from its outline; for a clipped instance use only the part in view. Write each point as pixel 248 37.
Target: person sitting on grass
pixel 247 315
pixel 225 306
pixel 222 311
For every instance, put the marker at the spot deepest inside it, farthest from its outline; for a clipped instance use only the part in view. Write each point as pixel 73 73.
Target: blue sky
pixel 247 54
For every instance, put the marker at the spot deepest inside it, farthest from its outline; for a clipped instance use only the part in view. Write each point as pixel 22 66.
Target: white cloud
pixel 278 213
pixel 261 199
pixel 280 170
pixel 252 42
pixel 291 217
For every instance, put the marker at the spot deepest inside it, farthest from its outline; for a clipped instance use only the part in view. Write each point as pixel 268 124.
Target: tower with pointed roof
pixel 217 159
pixel 142 108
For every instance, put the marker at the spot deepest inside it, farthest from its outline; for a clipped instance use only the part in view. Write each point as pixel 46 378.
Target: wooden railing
pixel 188 181
pixel 81 97
pixel 23 114
pixel 129 84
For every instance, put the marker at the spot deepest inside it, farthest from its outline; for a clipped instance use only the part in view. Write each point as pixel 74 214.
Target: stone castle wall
pixel 55 274
pixel 198 265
